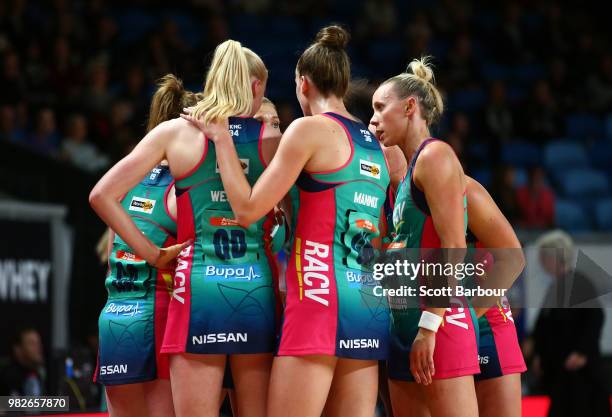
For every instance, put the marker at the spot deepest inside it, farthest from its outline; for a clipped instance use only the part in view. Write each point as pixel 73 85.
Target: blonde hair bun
pixel 421 68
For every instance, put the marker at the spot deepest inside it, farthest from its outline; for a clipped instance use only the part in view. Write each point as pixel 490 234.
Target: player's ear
pixel 255 86
pixel 410 106
pixel 304 84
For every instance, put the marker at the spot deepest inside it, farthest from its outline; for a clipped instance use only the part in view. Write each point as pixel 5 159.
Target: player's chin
pixel 384 139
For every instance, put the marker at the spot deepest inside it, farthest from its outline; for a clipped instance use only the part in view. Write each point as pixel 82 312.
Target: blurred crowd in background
pixel 526 83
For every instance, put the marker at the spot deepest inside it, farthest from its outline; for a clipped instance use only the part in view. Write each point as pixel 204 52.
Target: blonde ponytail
pixel 228 84
pixel 418 80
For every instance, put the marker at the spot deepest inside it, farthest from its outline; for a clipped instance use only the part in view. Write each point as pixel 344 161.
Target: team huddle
pixel 199 304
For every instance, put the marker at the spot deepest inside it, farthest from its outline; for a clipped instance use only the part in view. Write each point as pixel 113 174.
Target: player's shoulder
pixel 436 151
pixel 175 126
pixel 314 126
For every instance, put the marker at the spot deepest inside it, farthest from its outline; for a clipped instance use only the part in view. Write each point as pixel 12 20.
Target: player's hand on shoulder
pixel 215 130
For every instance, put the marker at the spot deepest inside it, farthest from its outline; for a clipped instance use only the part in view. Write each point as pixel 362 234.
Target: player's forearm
pixel 111 212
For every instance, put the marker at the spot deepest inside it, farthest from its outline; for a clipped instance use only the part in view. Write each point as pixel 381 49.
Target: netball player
pixel 330 340
pixel 223 299
pixel 132 323
pixel 498 386
pixel 429 212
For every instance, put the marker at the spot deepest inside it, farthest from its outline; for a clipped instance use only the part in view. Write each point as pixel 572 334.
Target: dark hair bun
pixel 333 37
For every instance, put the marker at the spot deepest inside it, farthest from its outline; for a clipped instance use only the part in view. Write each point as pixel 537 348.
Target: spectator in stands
pixel 460 126
pixel 36 73
pixel 419 34
pixel 255 6
pixel 45 138
pixel 159 59
pixel 65 74
pixel 379 18
pixel 136 93
pixel 461 68
pixel 600 85
pixel 542 119
pixel 9 131
pixel 504 193
pixel 560 86
pixel 510 44
pixel 25 373
pixel 118 134
pixel 98 98
pixel 459 136
pixel 536 201
pixel 13 84
pixel 78 150
pixel 457 143
pixel 104 39
pixel 566 339
pixel 217 31
pixel 451 17
pixel 498 116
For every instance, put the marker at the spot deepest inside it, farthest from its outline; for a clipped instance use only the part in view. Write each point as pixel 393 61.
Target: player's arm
pixel 251 203
pixel 439 174
pixel 495 233
pixel 125 175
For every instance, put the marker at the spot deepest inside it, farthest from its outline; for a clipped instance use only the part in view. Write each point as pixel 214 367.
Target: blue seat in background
pixel 386 56
pixel 491 71
pixel 483 176
pixel 134 24
pixel 486 20
pixel 346 7
pixel 520 177
pixel 516 93
pixel 603 214
pixel 283 27
pixel 359 70
pixel 583 126
pixel 528 73
pixel 245 26
pixel 480 152
pixel 467 100
pixel 565 155
pixel 571 217
pixel 438 48
pixel 520 153
pixel 188 27
pixel 584 183
pixel 601 155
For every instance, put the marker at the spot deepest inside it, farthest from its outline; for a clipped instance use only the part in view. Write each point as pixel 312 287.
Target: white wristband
pixel 430 321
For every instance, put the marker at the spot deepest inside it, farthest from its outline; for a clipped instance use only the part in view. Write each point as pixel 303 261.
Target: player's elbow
pixel 245 219
pixel 96 197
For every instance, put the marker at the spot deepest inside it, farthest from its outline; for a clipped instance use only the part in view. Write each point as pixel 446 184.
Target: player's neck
pixel 415 137
pixel 331 104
